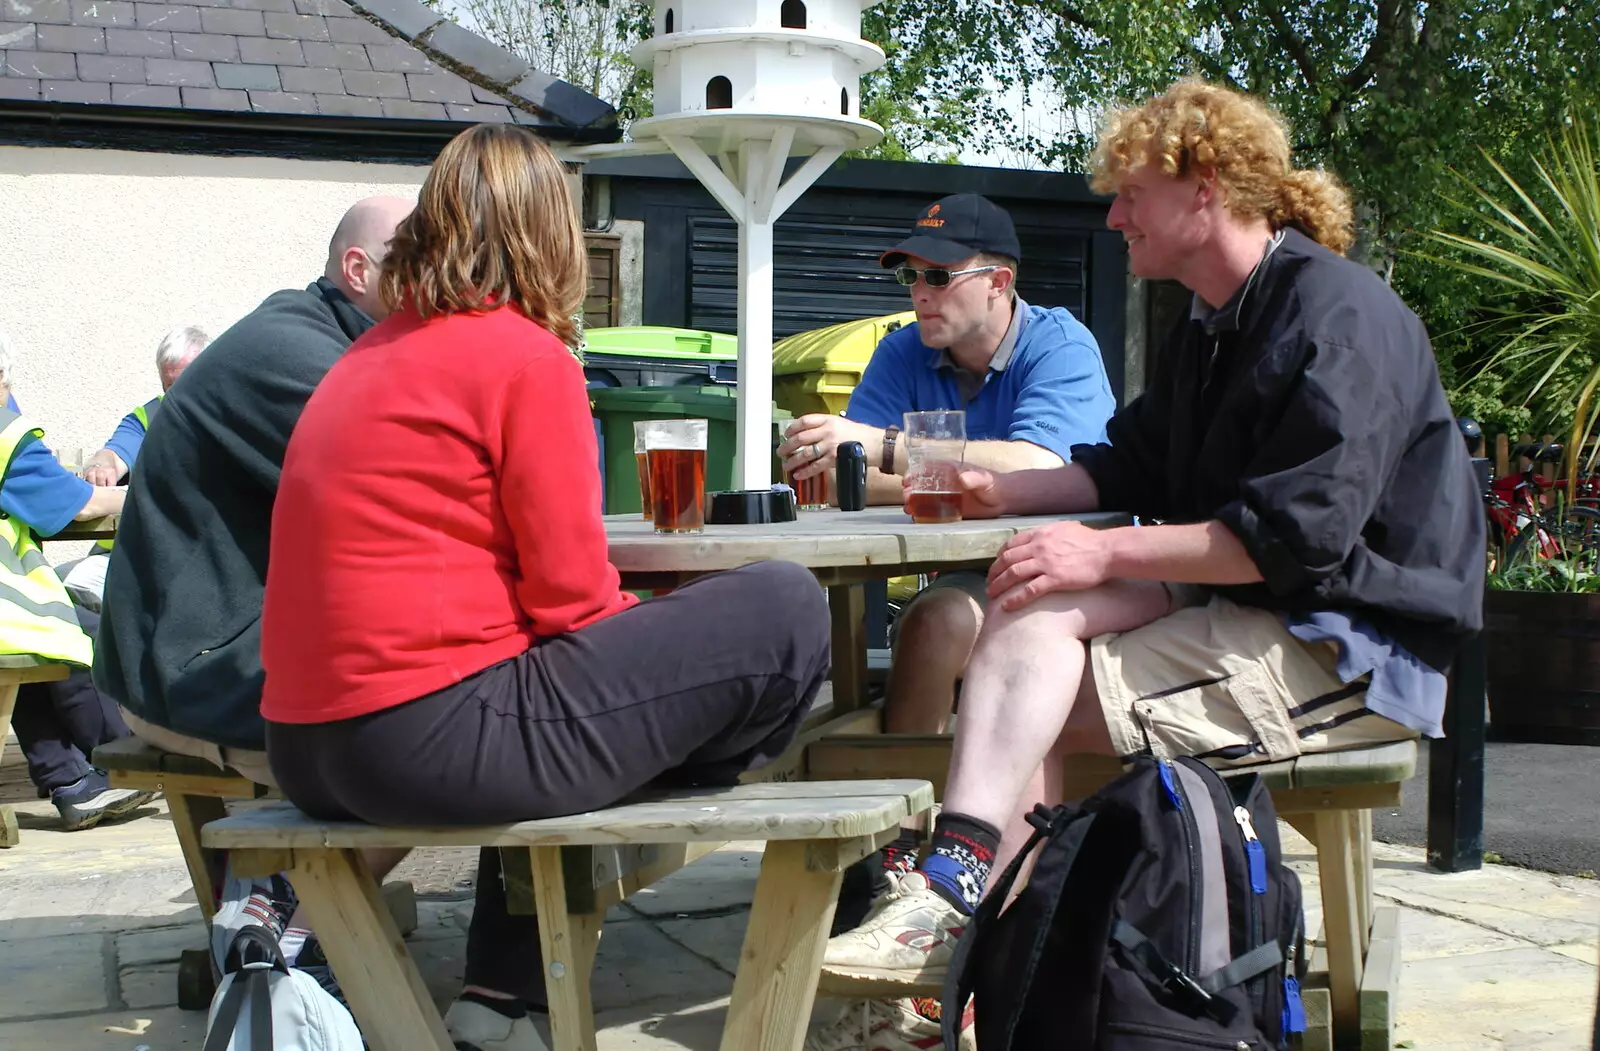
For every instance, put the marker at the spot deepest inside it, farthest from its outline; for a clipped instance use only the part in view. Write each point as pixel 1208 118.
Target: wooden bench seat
pixel 1327 797
pixel 814 830
pixel 16 670
pixel 196 791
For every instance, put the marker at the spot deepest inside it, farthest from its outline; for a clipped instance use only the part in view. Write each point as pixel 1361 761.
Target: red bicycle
pixel 1531 513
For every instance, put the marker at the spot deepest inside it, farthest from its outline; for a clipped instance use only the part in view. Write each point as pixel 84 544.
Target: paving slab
pixel 159 944
pixel 143 988
pixel 164 1029
pixel 1522 998
pixel 63 974
pixel 725 880
pixel 1535 907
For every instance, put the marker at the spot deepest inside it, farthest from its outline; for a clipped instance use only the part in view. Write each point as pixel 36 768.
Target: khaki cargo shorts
pixel 1229 684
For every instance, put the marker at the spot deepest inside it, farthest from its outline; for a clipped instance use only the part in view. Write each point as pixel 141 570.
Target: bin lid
pixel 661 341
pixel 846 347
pixel 712 403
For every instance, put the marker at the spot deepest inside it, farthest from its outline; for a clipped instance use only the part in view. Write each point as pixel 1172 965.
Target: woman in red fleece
pixel 444 637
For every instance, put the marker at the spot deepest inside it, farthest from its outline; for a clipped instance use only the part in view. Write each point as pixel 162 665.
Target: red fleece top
pixel 439 510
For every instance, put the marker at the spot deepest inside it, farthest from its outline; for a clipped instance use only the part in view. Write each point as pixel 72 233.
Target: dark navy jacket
pixel 1308 417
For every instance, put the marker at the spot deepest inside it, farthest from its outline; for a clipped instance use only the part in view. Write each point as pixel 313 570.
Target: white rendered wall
pixel 103 251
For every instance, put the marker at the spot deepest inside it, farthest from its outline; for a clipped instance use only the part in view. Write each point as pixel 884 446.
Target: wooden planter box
pixel 1544 667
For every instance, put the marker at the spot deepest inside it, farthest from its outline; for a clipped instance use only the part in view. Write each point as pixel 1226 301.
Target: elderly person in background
pixel 58 724
pixel 86 578
pixel 111 465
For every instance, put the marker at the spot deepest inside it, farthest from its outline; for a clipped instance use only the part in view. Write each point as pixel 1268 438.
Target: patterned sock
pixel 959 857
pixel 513 1008
pixel 291 942
pixel 901 855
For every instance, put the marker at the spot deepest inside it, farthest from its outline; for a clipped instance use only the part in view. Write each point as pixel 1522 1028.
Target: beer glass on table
pixel 644 468
pixel 810 494
pixel 936 444
pixel 675 452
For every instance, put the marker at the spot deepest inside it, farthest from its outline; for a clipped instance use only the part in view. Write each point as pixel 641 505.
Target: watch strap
pixel 889 435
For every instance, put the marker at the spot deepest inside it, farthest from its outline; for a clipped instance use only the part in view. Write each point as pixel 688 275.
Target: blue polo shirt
pixel 1046 383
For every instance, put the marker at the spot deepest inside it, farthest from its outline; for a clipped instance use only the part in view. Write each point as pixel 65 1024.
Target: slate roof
pixel 377 59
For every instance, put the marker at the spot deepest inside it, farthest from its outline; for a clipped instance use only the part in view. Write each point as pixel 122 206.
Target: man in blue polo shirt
pixel 1029 378
pixel 1032 384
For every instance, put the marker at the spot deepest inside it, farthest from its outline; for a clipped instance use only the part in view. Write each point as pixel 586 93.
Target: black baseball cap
pixel 955 228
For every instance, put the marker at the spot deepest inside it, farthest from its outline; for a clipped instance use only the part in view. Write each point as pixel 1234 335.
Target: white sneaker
pixel 907 1024
pixel 474 1027
pixel 903 945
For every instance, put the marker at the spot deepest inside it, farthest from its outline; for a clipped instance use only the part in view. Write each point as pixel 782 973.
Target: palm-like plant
pixel 1543 249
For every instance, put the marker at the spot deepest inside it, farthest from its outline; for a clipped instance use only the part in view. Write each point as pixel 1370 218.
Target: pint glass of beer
pixel 810 494
pixel 936 444
pixel 675 453
pixel 644 468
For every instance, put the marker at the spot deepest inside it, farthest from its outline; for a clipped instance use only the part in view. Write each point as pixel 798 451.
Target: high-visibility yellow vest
pixel 36 616
pixel 147 410
pixel 142 414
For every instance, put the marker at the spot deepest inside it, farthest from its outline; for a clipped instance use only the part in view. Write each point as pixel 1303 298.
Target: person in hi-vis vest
pixel 86 578
pixel 58 724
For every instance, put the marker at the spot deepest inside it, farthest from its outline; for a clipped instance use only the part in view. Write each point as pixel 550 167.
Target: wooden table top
pixel 877 536
pixel 93 529
pixel 831 539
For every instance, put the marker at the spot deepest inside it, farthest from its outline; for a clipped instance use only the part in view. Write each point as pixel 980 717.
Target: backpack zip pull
pixel 1254 851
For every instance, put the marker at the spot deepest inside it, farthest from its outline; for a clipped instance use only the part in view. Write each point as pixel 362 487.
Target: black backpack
pixel 1158 917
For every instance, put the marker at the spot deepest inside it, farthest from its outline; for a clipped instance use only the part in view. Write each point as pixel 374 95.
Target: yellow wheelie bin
pixel 816 371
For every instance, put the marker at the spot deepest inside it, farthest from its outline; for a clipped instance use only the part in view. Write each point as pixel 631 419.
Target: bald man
pixel 179 643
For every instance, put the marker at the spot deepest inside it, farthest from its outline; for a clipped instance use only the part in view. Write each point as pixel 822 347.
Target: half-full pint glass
pixel 675 451
pixel 810 494
pixel 644 468
pixel 936 444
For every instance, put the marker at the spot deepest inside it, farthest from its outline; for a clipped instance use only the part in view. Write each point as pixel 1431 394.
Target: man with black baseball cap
pixel 1032 384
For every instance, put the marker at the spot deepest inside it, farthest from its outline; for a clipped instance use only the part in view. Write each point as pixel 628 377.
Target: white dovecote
pixel 755 64
pixel 741 87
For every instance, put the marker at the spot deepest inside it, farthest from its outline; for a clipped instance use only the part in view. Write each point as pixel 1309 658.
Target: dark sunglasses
pixel 937 277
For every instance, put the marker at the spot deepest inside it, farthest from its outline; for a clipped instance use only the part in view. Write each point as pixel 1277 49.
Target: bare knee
pixel 939 623
pixel 1117 605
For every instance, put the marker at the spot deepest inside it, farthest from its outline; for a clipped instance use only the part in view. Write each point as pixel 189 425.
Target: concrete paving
pixel 91 925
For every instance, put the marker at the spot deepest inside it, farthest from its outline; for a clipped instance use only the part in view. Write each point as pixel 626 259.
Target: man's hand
pixel 104 468
pixel 812 443
pixel 1066 556
pixel 102 501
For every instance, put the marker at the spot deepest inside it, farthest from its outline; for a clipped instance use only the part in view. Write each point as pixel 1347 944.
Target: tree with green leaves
pixel 1391 95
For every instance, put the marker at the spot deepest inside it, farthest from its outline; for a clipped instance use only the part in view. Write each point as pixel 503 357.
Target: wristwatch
pixel 889 435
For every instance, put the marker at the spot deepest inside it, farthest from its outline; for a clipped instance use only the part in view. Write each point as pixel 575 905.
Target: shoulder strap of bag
pixel 959 979
pixel 1199 996
pixel 252 956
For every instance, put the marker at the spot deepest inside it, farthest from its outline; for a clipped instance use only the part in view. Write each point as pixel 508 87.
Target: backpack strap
pixel 252 956
pixel 1198 996
pixel 959 980
pixel 1162 973
pixel 1240 969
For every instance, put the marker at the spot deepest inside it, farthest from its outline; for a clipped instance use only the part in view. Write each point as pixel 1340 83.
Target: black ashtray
pixel 752 506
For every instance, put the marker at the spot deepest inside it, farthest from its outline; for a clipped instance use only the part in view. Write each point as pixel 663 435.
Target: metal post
pixel 1455 768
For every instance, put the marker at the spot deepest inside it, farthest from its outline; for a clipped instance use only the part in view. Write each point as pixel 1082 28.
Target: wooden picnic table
pixel 845 549
pixel 93 529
